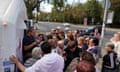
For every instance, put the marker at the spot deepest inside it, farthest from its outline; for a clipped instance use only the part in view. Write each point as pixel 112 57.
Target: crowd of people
pixel 67 51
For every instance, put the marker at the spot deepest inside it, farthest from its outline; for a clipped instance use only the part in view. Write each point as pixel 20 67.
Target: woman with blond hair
pixel 81 44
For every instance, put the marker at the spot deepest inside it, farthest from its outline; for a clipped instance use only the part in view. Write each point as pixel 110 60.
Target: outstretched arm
pixel 18 64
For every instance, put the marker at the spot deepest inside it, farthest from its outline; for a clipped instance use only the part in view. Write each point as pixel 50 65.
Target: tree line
pixel 75 13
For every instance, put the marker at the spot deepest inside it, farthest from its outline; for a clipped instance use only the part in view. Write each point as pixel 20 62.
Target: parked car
pixel 66 24
pixel 91 29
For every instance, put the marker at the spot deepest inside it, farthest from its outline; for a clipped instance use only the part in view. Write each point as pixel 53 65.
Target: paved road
pixel 51 25
pixel 47 26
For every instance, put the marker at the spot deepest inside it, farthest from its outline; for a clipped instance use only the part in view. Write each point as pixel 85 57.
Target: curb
pixel 82 26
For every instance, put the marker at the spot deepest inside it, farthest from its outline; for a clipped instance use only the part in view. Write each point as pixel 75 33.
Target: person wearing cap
pixel 53 31
pixel 58 29
pixel 109 60
pixel 67 30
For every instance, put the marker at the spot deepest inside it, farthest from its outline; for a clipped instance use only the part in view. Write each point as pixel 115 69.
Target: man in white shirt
pixel 50 62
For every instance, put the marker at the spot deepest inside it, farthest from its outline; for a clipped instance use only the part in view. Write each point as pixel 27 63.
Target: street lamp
pixel 106 6
pixel 38 16
pixel 38 11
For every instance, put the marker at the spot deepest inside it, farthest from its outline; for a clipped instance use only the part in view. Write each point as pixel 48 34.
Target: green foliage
pixel 58 4
pixel 78 13
pixel 93 9
pixel 74 14
pixel 69 14
pixel 31 4
pixel 116 8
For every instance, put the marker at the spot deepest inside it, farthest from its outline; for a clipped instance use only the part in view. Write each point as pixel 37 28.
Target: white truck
pixel 12 16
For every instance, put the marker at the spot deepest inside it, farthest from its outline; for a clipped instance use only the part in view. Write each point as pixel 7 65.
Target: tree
pixel 31 4
pixel 59 4
pixel 58 10
pixel 115 3
pixel 78 13
pixel 116 8
pixel 67 13
pixel 74 15
pixel 93 9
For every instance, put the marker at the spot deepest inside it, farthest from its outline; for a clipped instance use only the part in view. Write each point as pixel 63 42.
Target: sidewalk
pixel 108 29
pixel 99 64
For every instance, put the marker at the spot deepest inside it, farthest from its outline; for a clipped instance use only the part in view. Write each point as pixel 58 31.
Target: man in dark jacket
pixel 29 43
pixel 72 51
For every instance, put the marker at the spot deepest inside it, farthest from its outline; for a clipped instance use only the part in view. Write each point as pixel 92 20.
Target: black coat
pixel 71 55
pixel 107 64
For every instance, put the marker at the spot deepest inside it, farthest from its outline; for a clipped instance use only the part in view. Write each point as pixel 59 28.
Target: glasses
pixel 72 47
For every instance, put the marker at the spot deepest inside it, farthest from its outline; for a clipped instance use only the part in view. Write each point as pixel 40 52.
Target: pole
pixel 105 18
pixel 38 5
pixel 103 25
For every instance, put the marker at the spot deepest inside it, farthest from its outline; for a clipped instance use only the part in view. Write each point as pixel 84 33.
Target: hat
pixel 67 28
pixel 41 33
pixel 60 42
pixel 47 33
pixel 58 27
pixel 52 29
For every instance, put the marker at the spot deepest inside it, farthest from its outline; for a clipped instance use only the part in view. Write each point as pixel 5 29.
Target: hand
pixel 34 43
pixel 37 41
pixel 14 59
pixel 64 53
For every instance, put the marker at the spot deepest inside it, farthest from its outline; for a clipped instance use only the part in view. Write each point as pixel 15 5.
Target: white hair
pixel 36 53
pixel 67 28
pixel 58 27
pixel 60 42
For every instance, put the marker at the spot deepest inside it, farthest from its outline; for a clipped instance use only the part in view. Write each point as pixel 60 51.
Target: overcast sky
pixel 47 7
pixel 81 1
pixel 74 1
